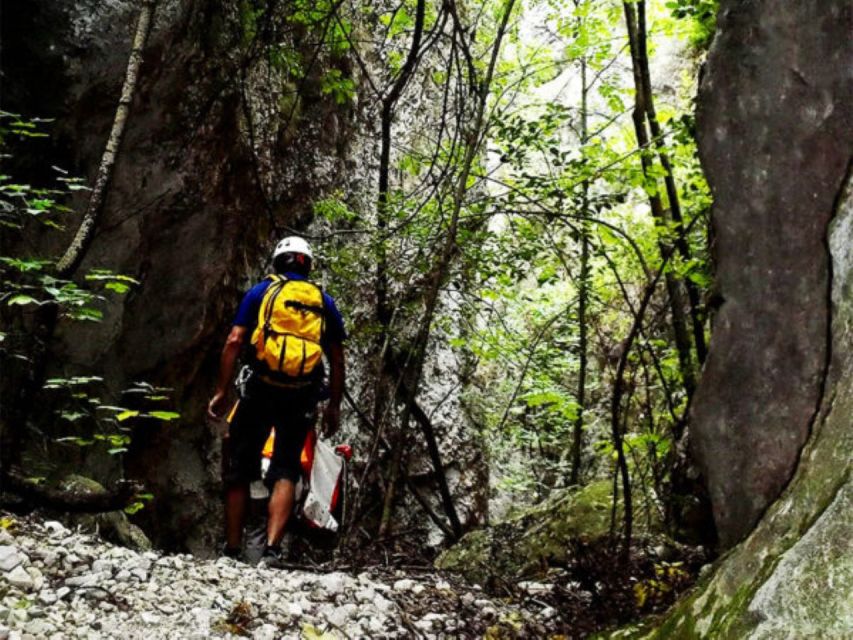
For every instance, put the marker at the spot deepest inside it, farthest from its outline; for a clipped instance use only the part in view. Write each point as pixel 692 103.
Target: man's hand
pixel 216 406
pixel 227 366
pixel 331 420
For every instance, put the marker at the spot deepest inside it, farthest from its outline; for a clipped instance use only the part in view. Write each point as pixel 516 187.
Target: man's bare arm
pixel 227 369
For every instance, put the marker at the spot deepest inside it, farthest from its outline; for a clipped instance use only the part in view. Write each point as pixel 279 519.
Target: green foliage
pixel 702 15
pixel 563 178
pixel 340 87
pixel 30 282
pixel 139 503
pixel 78 404
pixel 669 578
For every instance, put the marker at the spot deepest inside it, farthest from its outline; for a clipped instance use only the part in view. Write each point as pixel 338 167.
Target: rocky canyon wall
pixel 222 154
pixel 777 142
pixel 225 152
pixel 775 136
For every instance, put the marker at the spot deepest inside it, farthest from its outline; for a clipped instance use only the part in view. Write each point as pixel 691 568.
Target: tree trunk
pixel 385 386
pixel 682 242
pixel 76 251
pixel 676 303
pixel 440 267
pixel 583 294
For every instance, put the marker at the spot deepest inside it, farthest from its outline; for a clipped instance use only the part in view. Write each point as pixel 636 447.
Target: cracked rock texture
pixel 793 576
pixel 776 141
pixel 775 133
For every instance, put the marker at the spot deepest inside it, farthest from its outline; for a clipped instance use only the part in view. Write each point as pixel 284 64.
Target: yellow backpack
pixel 291 322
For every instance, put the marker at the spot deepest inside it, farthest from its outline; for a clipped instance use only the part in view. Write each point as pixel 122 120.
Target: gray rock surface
pixel 9 558
pixel 792 577
pixel 776 134
pixel 221 157
pixel 185 214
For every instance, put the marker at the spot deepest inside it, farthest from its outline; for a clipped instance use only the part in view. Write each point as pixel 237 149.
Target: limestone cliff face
pixel 224 153
pixel 775 139
pixel 777 142
pixel 186 214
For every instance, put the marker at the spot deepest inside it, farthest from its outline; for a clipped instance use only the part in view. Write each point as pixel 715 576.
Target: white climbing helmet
pixel 293 244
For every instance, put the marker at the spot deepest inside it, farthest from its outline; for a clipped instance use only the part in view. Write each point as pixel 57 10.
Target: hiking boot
pixel 231 552
pixel 272 558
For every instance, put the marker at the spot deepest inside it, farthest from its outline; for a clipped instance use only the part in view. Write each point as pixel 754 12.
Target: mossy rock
pixel 527 544
pixel 113 526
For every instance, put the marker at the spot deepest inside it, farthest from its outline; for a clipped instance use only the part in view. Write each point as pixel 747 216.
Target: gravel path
pixel 58 583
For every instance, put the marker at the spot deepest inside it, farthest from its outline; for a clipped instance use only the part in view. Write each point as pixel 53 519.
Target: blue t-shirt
pixel 247 313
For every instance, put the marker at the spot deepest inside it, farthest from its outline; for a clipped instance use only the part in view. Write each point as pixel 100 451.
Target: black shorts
pixel 292 412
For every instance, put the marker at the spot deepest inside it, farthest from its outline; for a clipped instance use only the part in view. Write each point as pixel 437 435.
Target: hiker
pixel 285 323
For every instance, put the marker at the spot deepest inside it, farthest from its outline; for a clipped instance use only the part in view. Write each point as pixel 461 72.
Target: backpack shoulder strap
pixel 277 283
pixel 325 312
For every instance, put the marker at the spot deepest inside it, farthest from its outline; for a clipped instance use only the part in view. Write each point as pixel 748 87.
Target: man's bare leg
pixel 236 498
pixel 281 504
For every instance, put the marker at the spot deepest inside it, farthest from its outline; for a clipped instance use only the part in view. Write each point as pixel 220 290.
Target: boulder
pixel 793 576
pixel 113 526
pixel 777 140
pixel 525 544
pixel 774 126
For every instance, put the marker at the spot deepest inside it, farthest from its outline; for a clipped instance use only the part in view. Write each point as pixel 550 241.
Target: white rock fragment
pixel 404 585
pixel 430 622
pixel 547 613
pixel 423 625
pixel 55 529
pixel 20 578
pixel 265 632
pixel 149 617
pixel 383 605
pixel 49 559
pixel 19 615
pixel 86 580
pixel 101 565
pixel 367 594
pixel 536 588
pixel 38 578
pixel 9 557
pixel 40 628
pixel 340 616
pixel 333 583
pixel 375 625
